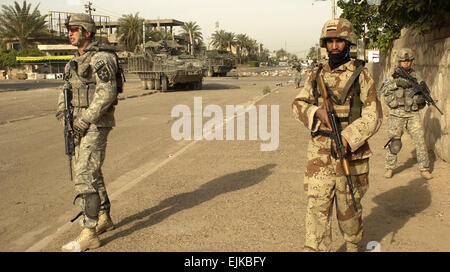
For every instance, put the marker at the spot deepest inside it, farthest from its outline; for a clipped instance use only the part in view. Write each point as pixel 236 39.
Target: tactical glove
pixel 80 127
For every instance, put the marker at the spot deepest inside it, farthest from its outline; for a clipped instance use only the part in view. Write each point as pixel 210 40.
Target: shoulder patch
pixel 99 65
pixel 104 75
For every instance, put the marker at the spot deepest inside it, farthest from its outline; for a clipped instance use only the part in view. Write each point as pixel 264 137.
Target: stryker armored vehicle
pixel 219 62
pixel 164 64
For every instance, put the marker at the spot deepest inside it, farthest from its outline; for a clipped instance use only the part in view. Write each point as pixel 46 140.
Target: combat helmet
pixel 405 54
pixel 81 19
pixel 340 28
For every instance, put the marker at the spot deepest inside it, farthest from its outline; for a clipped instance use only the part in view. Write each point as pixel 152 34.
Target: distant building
pixel 57 49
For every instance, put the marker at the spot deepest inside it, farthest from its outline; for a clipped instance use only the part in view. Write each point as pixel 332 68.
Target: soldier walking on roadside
pixel 95 80
pixel 354 98
pixel 404 113
pixel 297 69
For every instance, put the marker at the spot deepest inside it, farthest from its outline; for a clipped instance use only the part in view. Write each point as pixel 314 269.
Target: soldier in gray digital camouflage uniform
pixel 404 114
pixel 297 71
pixel 93 76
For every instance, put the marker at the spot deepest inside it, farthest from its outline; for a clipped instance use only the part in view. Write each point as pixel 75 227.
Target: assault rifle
pixel 419 88
pixel 68 126
pixel 336 135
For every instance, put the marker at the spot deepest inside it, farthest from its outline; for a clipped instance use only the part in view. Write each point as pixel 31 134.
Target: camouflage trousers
pixel 396 126
pixel 325 185
pixel 297 80
pixel 88 161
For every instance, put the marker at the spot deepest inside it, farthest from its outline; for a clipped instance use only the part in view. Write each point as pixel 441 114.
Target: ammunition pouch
pixel 83 95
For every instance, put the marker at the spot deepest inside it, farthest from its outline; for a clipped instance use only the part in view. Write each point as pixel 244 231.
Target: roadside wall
pixel 432 61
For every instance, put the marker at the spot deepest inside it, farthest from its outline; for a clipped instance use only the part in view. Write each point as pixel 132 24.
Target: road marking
pixel 130 179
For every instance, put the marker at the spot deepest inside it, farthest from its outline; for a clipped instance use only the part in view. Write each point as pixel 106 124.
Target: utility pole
pixel 89 8
pixel 333 9
pixel 143 35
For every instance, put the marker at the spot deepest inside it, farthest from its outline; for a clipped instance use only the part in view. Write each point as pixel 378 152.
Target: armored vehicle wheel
pixel 163 84
pixel 157 84
pixel 198 85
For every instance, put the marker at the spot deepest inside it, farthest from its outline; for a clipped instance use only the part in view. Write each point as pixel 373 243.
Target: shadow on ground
pixel 394 209
pixel 172 205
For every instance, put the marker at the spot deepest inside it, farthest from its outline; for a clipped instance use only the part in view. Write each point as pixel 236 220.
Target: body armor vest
pixel 346 99
pixel 82 80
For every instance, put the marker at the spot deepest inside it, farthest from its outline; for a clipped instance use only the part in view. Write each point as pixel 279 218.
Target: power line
pixel 110 12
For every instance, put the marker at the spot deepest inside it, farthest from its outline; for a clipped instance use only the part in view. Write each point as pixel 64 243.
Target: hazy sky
pixel 291 24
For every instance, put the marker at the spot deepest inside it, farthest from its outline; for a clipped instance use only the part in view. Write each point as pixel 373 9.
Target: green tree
pixel 130 31
pixel 19 22
pixel 243 44
pixel 281 54
pixel 419 15
pixel 218 40
pixel 230 40
pixel 265 55
pixel 382 24
pixel 8 57
pixel 192 33
pixel 223 40
pixel 157 35
pixel 368 21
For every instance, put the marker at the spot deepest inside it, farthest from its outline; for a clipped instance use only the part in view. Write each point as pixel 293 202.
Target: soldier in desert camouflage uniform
pixel 360 115
pixel 404 113
pixel 92 75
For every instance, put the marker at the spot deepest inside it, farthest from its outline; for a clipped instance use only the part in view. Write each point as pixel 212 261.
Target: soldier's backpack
pixel 120 75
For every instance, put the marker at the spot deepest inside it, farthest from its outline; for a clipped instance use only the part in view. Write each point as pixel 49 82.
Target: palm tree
pixel 191 32
pixel 281 54
pixel 223 40
pixel 130 31
pixel 230 40
pixel 17 22
pixel 218 40
pixel 157 35
pixel 242 42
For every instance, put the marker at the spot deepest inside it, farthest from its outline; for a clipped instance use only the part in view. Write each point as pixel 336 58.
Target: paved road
pixel 170 195
pixel 25 85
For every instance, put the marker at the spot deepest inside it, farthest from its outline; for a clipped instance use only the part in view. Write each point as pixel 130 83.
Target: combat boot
pixel 105 222
pixel 88 239
pixel 351 247
pixel 426 174
pixel 388 174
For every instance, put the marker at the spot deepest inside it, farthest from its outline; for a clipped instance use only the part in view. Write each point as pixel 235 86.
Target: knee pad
pixel 395 146
pixel 90 204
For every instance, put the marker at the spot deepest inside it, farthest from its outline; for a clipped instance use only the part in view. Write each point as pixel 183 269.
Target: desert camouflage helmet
pixel 83 20
pixel 405 54
pixel 340 28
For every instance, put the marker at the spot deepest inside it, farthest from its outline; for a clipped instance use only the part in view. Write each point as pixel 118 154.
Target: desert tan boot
pixel 388 174
pixel 426 174
pixel 105 222
pixel 87 239
pixel 351 247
